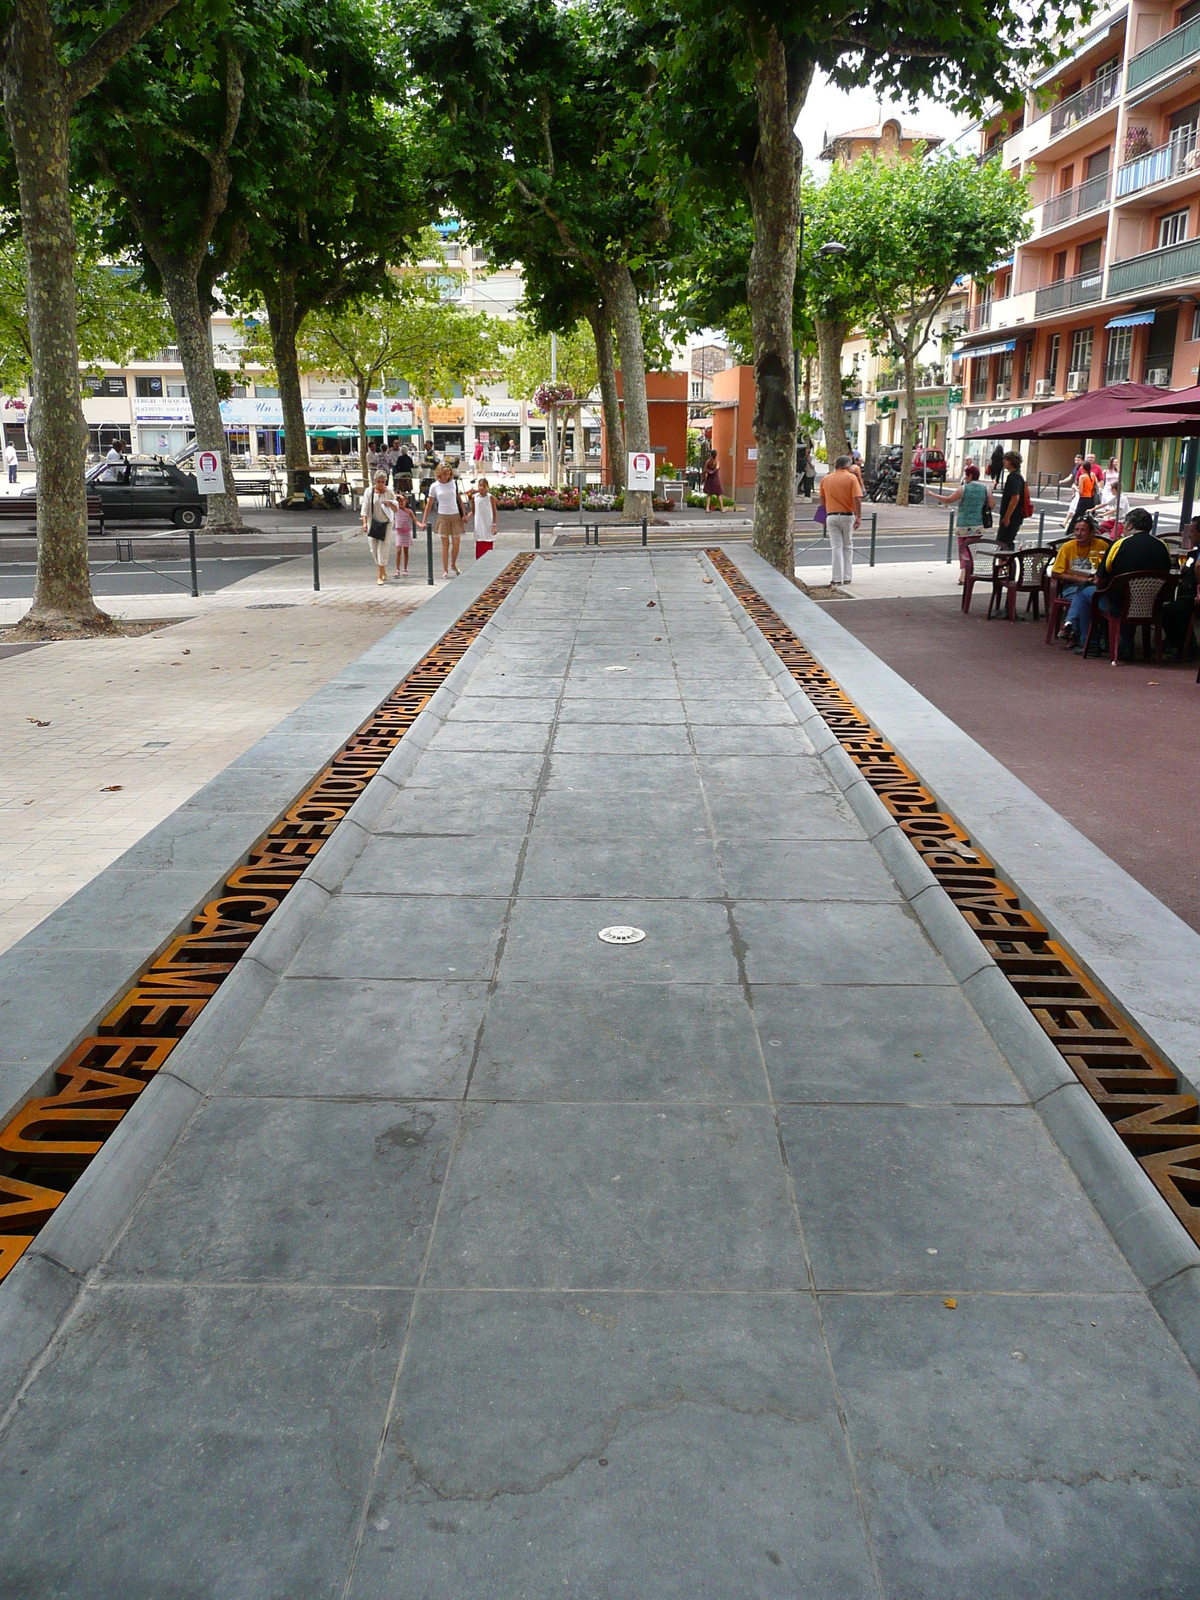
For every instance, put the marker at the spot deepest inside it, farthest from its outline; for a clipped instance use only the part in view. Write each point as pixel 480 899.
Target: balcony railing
pixel 1156 267
pixel 1076 202
pixel 1086 103
pixel 1178 156
pixel 1117 372
pixel 979 316
pixel 1078 291
pixel 1170 50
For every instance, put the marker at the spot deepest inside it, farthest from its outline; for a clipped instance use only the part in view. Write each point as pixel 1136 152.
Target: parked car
pixel 930 465
pixel 145 490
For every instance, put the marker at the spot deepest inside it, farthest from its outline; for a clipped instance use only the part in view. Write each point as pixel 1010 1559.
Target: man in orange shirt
pixel 841 495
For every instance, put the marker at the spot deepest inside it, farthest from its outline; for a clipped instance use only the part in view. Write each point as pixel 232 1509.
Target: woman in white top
pixel 379 506
pixel 485 507
pixel 445 503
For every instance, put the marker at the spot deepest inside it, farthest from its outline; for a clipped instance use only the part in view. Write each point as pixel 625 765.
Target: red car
pixel 930 463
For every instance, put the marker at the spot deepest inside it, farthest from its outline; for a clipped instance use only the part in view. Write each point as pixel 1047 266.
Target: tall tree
pixel 911 229
pixel 342 192
pixel 539 110
pixel 741 71
pixel 412 334
pixel 50 58
pixel 526 363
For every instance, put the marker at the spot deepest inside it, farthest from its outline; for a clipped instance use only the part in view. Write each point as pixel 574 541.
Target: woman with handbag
pixel 975 507
pixel 379 506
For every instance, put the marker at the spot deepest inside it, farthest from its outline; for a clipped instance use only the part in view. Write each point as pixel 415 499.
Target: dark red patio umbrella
pixel 1175 400
pixel 1088 414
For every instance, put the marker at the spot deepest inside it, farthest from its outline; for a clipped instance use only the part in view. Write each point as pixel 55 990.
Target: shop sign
pixel 496 411
pixel 444 416
pixel 640 473
pixel 147 408
pixel 110 388
pixel 334 412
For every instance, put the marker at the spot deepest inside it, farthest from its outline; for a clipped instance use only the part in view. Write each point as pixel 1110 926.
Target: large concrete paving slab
pixel 491 1260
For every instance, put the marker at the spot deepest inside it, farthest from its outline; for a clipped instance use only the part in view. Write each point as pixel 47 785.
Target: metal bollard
pixel 596 533
pixel 192 555
pixel 1154 530
pixel 537 533
pixel 1041 527
pixel 950 540
pixel 643 530
pixel 874 527
pixel 429 549
pixel 316 562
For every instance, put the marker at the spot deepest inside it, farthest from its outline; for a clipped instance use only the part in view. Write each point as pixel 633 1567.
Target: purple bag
pixel 820 514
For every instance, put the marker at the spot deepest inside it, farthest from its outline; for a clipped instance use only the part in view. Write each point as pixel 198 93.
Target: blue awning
pixel 968 352
pixel 1135 319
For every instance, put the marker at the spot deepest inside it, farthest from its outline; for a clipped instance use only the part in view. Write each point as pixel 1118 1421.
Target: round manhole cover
pixel 621 934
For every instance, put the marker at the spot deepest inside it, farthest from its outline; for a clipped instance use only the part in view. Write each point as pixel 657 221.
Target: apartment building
pixel 1106 289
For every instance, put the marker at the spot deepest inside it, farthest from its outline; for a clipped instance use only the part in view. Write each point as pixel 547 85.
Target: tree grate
pixel 1141 1095
pixel 50 1141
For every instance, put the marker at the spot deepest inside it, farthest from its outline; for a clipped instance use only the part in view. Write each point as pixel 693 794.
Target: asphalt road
pixel 160 577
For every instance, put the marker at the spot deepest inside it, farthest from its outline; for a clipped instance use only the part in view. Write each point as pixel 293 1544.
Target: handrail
pixel 1096 97
pixel 1076 202
pixel 1168 265
pixel 1168 51
pixel 1080 290
pixel 1171 160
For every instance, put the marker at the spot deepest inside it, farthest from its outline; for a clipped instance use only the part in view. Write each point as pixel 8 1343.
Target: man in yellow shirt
pixel 841 495
pixel 1080 555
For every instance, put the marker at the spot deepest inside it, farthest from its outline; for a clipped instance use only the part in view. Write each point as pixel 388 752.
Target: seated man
pixel 1079 557
pixel 1138 551
pixel 1177 613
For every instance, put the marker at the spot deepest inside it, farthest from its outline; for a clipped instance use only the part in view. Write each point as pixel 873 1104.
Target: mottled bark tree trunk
pixel 610 405
pixel 621 293
pixel 361 390
pixel 909 431
pixel 37 112
pixel 192 329
pixel 774 185
pixel 284 326
pixel 831 336
pixel 806 385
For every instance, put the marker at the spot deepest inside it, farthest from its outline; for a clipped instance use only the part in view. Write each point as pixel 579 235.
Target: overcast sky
pixel 833 111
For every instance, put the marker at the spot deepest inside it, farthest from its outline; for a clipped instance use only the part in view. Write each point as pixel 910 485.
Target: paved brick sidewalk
pixel 161 714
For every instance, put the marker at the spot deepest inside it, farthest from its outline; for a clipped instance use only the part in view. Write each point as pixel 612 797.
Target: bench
pixel 22 508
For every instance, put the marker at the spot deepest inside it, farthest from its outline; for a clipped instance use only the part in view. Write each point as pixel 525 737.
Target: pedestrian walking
pixel 444 502
pixel 712 483
pixel 402 472
pixel 996 466
pixel 379 506
pixel 808 472
pixel 486 509
pixel 975 507
pixel 512 459
pixel 477 458
pixel 1087 494
pixel 1015 504
pixel 404 521
pixel 841 501
pixel 10 458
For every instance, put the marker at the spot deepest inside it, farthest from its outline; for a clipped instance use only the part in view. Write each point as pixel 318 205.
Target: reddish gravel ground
pixel 1116 750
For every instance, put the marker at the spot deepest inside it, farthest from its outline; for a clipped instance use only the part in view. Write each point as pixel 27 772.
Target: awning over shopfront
pixel 1103 413
pixel 1132 319
pixel 968 353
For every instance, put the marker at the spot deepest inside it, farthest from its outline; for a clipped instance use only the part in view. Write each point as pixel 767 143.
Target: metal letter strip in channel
pixel 1137 1090
pixel 51 1139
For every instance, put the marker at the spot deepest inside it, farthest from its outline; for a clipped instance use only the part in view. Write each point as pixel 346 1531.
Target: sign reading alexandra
pixel 496 411
pixel 210 478
pixel 640 474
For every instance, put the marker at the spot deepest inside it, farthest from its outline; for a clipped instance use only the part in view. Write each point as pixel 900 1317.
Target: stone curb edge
pixel 1159 1252
pixel 39 1293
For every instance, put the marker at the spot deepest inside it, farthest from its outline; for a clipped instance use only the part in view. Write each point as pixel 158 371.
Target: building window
pixel 1196 322
pixel 1026 365
pixel 148 388
pixel 1120 350
pixel 1052 359
pixel 176 391
pixel 979 378
pixel 1004 368
pixel 1172 228
pixel 1081 350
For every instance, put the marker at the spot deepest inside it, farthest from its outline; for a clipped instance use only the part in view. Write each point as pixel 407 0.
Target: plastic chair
pixel 1141 595
pixel 1028 578
pixel 985 548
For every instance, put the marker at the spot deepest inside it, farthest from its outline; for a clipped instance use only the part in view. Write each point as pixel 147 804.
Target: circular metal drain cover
pixel 621 934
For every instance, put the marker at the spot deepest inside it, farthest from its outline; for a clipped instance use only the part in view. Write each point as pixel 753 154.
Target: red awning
pixel 1087 415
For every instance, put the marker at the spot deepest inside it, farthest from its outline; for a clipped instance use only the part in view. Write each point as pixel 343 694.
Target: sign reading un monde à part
pixel 332 413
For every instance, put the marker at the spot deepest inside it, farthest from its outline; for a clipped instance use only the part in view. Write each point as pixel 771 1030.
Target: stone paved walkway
pixel 503 1262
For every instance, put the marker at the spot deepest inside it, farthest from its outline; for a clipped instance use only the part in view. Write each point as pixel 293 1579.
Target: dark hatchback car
pixel 145 491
